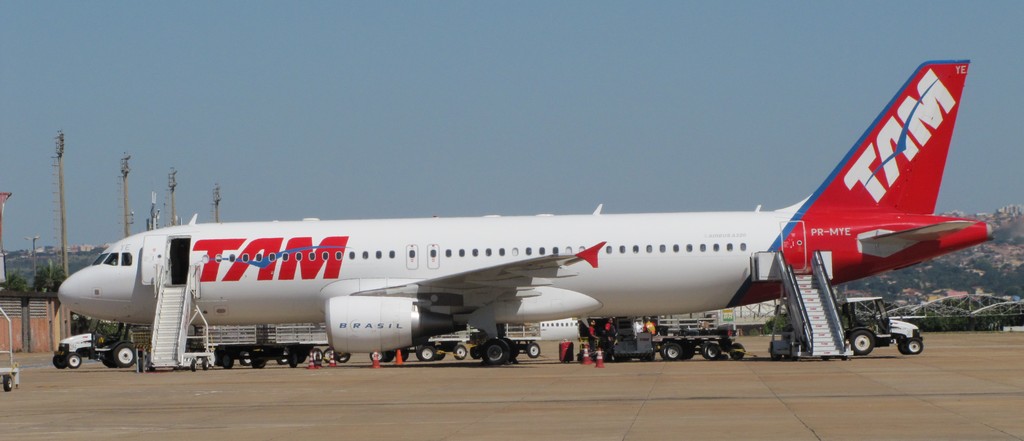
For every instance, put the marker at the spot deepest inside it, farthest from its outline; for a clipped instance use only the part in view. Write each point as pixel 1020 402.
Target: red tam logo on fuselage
pixel 264 253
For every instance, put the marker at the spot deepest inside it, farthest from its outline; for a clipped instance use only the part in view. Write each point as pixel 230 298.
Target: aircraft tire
pixel 495 352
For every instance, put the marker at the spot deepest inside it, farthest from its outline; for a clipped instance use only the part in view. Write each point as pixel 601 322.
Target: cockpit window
pixel 126 259
pixel 111 259
pixel 100 259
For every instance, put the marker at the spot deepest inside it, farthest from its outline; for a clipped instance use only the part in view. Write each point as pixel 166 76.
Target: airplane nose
pixel 73 290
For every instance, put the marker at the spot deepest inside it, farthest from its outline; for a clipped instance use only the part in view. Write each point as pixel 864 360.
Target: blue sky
pixel 367 110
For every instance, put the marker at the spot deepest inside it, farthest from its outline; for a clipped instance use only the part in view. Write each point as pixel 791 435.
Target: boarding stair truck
pixel 10 375
pixel 673 343
pixel 114 351
pixel 177 288
pixel 868 326
pixel 813 327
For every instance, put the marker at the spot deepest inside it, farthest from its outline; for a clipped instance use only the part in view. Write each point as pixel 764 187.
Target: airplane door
pixel 433 256
pixel 794 247
pixel 412 258
pixel 177 259
pixel 152 257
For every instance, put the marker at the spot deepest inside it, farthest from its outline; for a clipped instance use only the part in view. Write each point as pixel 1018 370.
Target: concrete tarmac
pixel 964 386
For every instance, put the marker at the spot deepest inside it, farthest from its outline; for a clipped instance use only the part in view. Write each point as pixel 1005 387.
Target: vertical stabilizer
pixel 897 164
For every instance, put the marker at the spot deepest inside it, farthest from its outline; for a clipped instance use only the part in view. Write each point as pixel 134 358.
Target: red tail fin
pixel 897 164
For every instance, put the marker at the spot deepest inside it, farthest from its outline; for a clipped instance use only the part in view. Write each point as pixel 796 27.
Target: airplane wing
pixel 884 243
pixel 475 294
pixel 506 276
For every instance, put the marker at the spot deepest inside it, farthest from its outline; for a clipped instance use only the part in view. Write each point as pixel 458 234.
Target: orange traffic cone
pixel 312 364
pixel 398 357
pixel 586 355
pixel 330 356
pixel 600 358
pixel 376 360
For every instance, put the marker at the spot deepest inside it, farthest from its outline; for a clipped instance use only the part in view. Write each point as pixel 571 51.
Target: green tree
pixel 16 282
pixel 48 278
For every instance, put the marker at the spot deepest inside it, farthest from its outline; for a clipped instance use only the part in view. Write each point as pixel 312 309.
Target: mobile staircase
pixel 813 327
pixel 175 312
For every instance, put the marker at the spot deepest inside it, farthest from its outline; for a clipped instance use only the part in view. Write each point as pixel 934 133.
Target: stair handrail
pixel 825 286
pixel 193 290
pixel 792 290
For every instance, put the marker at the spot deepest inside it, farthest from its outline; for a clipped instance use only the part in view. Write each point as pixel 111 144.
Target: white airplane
pixel 386 284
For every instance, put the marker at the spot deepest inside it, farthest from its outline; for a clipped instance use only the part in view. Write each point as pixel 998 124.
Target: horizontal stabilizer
pixel 884 243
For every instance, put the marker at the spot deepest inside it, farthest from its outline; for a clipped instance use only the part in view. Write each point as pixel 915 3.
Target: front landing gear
pixel 499 351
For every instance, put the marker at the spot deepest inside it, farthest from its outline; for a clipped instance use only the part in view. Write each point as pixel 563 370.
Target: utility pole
pixel 63 209
pixel 216 203
pixel 171 183
pixel 33 253
pixel 124 187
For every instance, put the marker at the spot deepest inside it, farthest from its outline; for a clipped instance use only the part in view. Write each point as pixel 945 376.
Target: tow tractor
pixel 868 326
pixel 114 351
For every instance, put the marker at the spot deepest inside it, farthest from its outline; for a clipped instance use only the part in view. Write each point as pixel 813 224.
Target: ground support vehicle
pixel 683 344
pixel 256 345
pixel 469 342
pixel 114 351
pixel 10 375
pixel 868 326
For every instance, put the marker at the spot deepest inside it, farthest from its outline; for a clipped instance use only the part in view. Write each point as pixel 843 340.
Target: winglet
pixel 590 254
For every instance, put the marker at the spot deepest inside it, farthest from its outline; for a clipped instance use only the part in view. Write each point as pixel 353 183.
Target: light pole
pixel 33 254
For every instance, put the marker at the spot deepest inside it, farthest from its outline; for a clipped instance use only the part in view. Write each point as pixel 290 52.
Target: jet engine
pixel 372 324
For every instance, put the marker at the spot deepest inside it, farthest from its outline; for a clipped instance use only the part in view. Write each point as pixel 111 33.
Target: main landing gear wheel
pixel 863 342
pixel 513 351
pixel 495 352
